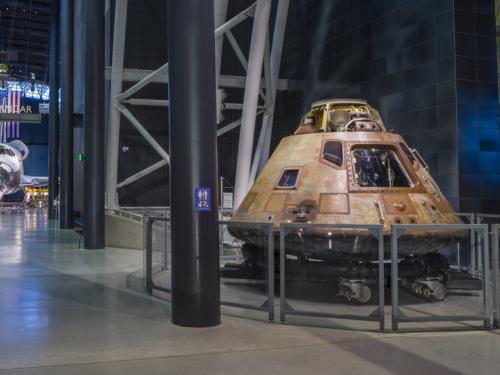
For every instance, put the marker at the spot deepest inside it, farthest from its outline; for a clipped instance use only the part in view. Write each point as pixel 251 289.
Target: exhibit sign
pixel 18 118
pixel 202 199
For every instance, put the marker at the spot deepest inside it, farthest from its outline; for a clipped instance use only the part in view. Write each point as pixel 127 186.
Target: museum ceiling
pixel 24 37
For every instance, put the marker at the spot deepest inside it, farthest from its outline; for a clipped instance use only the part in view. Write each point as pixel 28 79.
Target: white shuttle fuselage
pixel 12 176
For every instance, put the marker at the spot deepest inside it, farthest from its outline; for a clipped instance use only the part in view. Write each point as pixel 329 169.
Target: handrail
pixel 420 158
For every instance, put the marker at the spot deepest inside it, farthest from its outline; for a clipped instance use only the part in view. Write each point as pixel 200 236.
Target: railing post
pixel 381 277
pixel 394 278
pixel 282 272
pixel 166 245
pixel 496 281
pixel 148 248
pixel 472 246
pixel 270 269
pixel 485 255
pixel 480 249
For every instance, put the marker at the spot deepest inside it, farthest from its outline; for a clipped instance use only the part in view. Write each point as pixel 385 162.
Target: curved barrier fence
pixel 350 273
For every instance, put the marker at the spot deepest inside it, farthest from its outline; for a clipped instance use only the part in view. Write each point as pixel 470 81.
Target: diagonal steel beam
pixel 143 82
pixel 232 125
pixel 142 173
pixel 148 137
pixel 236 20
pixel 249 12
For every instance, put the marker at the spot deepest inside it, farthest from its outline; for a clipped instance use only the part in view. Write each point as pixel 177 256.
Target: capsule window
pixel 288 178
pixel 332 152
pixel 379 167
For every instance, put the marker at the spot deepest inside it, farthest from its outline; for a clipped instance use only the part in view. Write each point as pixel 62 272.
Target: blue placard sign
pixel 202 199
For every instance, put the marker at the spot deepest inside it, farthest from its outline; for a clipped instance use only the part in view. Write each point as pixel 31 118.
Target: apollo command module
pixel 342 166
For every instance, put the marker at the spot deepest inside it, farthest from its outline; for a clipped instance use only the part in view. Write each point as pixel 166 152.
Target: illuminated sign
pixel 15 109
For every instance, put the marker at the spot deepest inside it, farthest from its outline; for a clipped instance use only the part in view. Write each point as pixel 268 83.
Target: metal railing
pixel 470 218
pixel 153 211
pixel 13 207
pixel 148 254
pixel 397 316
pixel 150 286
pixel 488 219
pixel 128 215
pixel 375 230
pixel 489 300
pixel 268 305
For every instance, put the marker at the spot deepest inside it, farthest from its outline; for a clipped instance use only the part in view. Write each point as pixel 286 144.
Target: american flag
pixel 11 104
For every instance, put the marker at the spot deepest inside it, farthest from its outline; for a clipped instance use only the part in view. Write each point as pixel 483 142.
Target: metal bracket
pixel 380 212
pixel 375 232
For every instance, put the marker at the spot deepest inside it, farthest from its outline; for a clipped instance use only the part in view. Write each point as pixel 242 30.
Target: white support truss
pixel 246 171
pixel 263 56
pixel 113 140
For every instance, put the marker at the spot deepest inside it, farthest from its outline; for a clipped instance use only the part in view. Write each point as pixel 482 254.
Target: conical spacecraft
pixel 342 166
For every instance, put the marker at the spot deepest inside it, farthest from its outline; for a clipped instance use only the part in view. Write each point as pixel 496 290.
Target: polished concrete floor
pixel 64 310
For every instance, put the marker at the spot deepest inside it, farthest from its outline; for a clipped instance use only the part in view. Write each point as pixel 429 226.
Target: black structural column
pixel 93 211
pixel 53 106
pixel 67 71
pixel 193 167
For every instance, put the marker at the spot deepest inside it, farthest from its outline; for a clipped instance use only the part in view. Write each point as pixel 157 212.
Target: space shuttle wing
pixel 34 181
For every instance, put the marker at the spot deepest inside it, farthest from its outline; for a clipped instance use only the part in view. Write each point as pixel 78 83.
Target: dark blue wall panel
pixel 428 66
pixel 37 162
